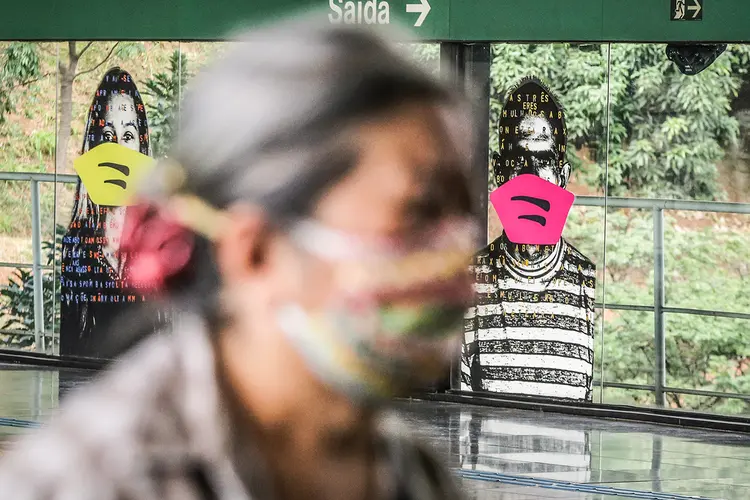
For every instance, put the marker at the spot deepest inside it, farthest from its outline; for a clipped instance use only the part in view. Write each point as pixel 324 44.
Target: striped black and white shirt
pixel 531 330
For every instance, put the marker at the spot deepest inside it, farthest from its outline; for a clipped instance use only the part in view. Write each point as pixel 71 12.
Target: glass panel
pixel 584 230
pixel 28 394
pixel 426 53
pixel 110 92
pixel 15 222
pixel 671 132
pixel 706 260
pixel 628 352
pixel 630 257
pixel 27 107
pixel 630 397
pixel 686 138
pixel 713 404
pixel 27 145
pixel 532 332
pixel 198 54
pixel 709 354
pixel 16 276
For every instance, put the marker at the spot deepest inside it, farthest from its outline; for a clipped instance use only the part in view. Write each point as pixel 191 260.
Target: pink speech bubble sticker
pixel 533 211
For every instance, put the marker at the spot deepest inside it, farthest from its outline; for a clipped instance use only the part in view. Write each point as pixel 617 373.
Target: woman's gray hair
pixel 267 122
pixel 270 123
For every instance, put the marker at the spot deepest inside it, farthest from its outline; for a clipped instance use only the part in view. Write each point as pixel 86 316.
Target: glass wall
pixel 58 101
pixel 637 133
pixel 659 167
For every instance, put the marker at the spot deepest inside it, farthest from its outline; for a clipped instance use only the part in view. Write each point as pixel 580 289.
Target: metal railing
pixel 659 308
pixel 36 248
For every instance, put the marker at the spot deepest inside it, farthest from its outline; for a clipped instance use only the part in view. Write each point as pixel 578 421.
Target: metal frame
pixel 39 334
pixel 659 309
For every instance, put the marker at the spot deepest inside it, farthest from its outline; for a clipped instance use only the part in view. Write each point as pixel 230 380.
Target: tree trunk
pixel 67 75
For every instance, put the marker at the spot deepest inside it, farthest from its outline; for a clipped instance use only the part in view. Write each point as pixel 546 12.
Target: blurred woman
pixel 313 227
pixel 91 300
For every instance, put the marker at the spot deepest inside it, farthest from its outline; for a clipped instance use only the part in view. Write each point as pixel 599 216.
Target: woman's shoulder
pixel 127 419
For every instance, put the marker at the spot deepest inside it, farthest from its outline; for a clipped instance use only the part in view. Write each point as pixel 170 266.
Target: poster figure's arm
pixel 590 292
pixel 469 354
pixel 587 275
pixel 467 347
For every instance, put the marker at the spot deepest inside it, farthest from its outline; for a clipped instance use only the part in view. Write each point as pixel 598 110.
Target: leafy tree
pixel 164 92
pixel 68 71
pixel 667 131
pixel 20 66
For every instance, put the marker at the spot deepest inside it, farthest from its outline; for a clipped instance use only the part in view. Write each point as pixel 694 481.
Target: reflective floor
pixel 507 454
pixel 559 449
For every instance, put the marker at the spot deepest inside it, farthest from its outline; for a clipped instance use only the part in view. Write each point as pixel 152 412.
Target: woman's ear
pixel 241 246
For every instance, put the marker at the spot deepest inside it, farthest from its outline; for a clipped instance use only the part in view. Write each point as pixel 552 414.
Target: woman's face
pixel 406 182
pixel 121 122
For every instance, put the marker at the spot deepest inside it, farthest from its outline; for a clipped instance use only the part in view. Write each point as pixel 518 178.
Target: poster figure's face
pixel 532 138
pixel 530 169
pixel 120 121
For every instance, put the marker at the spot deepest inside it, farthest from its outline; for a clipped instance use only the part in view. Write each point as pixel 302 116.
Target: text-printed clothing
pixel 531 330
pixel 153 428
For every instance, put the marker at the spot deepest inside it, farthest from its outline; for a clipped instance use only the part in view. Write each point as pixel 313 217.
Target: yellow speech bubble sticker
pixel 112 173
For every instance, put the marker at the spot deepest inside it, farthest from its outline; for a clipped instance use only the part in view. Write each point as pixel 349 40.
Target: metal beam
pixel 36 243
pixel 651 203
pixel 39 177
pixel 660 367
pixel 675 390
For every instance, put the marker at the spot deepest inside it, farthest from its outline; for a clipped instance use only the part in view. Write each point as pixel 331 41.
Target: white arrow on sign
pixel 695 9
pixel 422 8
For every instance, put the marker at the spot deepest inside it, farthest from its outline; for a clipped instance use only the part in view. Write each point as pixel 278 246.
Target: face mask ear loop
pixel 198 215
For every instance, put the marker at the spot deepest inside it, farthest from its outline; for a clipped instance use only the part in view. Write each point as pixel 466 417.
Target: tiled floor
pixel 519 455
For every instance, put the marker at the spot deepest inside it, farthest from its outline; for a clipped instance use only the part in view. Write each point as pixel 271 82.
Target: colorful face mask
pixel 111 173
pixel 396 324
pixel 397 320
pixel 533 211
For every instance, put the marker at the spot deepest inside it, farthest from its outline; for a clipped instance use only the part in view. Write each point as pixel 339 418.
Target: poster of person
pixel 530 330
pixel 114 155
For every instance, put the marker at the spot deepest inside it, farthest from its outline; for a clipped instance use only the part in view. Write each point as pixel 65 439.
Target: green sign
pixel 435 20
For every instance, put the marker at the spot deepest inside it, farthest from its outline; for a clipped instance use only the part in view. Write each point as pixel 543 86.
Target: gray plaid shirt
pixel 152 428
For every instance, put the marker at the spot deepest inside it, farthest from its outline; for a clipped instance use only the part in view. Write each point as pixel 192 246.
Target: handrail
pixel 664 204
pixel 38 177
pixel 659 308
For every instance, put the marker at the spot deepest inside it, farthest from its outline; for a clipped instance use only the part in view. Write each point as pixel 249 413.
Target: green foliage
pixel 129 50
pixel 163 92
pixel 20 65
pixel 427 54
pixel 667 131
pixel 17 299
